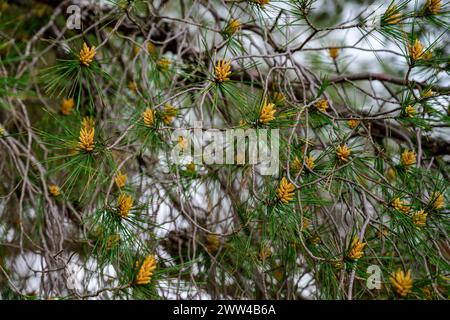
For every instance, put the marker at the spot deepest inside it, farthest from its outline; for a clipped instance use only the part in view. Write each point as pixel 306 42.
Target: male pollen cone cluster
pixel 267 113
pixel 124 205
pixel 356 249
pixel 87 55
pixel 401 282
pixel 285 191
pixel 222 71
pixel 343 152
pixel 120 180
pixel 145 273
pixel 149 117
pixel 86 139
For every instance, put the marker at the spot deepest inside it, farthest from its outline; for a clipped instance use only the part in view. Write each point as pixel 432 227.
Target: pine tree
pixel 90 192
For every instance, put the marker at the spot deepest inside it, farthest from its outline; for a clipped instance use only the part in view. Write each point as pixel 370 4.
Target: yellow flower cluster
pixel 437 200
pixel 401 282
pixel 191 167
pixel 163 64
pixel 233 26
pixel 124 205
pixel 408 158
pixel 322 105
pixel 151 48
pixel 401 205
pixel 427 55
pixel 146 270
pixel 86 138
pixel 426 93
pixel 410 111
pixel 168 114
pixel 305 224
pixel 132 86
pixel 392 16
pixel 391 174
pixel 112 241
pixel 428 293
pixel 343 152
pixel 309 161
pixel 433 6
pixel 267 113
pixel 285 191
pixel 212 243
pixel 149 117
pixel 278 98
pixel 416 50
pixel 333 52
pixel 222 71
pixel 54 190
pixel 356 249
pixel 419 218
pixel 383 232
pixel 314 239
pixel 88 122
pixel 87 55
pixel 352 123
pixel 338 264
pixel 136 49
pixel 296 165
pixel 265 252
pixel 120 180
pixel 182 143
pixel 67 106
